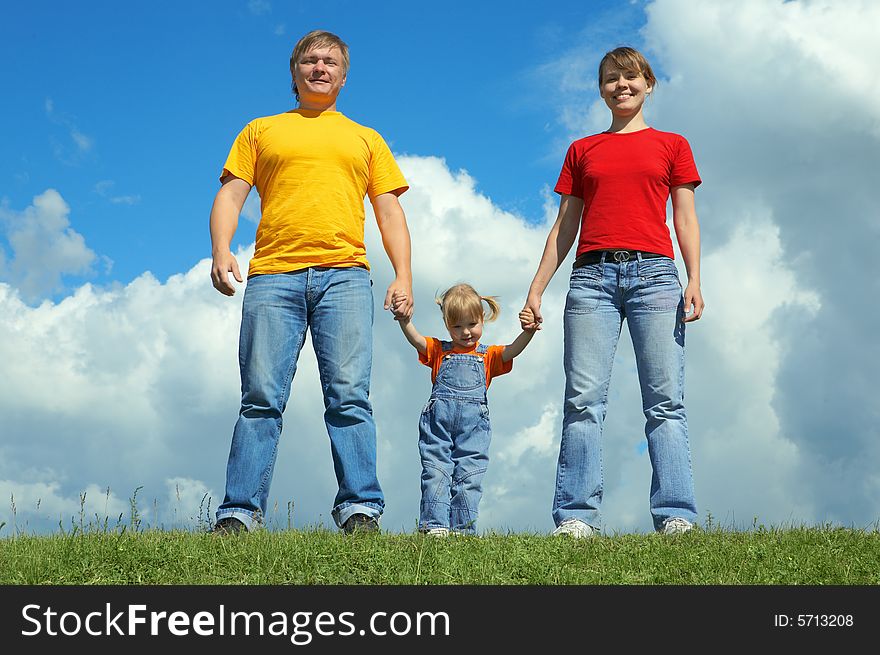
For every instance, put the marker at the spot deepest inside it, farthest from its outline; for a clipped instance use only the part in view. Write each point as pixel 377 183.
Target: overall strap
pixel 482 349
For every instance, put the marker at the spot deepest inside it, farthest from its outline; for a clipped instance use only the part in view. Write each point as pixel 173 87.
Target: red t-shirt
pixel 625 181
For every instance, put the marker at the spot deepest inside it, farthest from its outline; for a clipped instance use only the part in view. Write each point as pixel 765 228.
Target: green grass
pixel 710 556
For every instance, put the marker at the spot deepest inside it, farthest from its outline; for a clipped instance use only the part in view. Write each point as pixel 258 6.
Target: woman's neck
pixel 624 124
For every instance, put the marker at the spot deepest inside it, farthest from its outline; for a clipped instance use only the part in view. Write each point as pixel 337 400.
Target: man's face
pixel 319 75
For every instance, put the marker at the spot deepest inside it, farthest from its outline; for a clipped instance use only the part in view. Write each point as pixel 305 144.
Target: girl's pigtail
pixel 494 308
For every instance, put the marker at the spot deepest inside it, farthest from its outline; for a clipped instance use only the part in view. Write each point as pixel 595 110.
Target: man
pixel 312 167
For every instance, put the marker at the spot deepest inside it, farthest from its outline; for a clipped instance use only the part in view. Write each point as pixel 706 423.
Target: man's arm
pixel 559 241
pixel 224 221
pixel 395 238
pixel 412 335
pixel 687 232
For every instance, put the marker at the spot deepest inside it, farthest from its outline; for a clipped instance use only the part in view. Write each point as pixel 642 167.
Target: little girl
pixel 454 431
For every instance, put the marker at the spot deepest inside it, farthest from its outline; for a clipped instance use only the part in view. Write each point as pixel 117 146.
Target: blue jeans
pixel 648 294
pixel 336 304
pixel 454 436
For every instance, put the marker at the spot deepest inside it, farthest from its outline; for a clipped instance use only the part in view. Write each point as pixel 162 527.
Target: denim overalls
pixel 454 437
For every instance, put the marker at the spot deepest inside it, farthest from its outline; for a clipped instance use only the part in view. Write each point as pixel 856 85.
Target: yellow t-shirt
pixel 312 170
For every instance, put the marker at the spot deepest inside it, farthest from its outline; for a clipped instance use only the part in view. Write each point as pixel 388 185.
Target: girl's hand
pixel 527 320
pixel 530 316
pixel 398 302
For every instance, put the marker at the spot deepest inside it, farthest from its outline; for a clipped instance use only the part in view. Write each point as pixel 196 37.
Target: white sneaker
pixel 437 532
pixel 676 525
pixel 574 528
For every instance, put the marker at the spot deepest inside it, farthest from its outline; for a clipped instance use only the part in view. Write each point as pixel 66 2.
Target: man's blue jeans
pixel 336 304
pixel 647 293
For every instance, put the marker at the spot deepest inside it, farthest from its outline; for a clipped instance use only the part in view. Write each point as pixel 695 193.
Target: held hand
pixel 527 320
pixel 398 299
pixel 693 303
pixel 398 303
pixel 222 265
pixel 530 317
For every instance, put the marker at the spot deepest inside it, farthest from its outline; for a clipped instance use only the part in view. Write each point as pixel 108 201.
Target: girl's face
pixel 465 332
pixel 623 91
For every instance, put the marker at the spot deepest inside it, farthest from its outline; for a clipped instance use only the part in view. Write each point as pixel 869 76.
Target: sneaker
pixel 676 525
pixel 229 525
pixel 574 528
pixel 360 523
pixel 436 532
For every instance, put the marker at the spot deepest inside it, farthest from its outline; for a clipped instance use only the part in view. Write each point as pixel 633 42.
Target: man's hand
pixel 225 263
pixel 398 299
pixel 693 300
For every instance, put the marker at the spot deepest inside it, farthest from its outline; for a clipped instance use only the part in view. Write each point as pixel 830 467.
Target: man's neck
pixel 317 105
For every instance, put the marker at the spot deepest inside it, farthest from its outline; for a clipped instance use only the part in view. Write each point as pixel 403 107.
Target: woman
pixel 614 187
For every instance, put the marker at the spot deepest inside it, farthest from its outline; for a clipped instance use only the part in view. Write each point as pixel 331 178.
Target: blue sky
pixel 129 110
pixel 119 358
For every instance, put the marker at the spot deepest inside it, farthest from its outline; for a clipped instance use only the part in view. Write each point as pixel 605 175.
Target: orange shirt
pixel 492 361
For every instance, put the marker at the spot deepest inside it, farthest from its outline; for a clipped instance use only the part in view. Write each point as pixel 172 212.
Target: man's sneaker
pixel 229 525
pixel 436 532
pixel 676 525
pixel 360 523
pixel 574 528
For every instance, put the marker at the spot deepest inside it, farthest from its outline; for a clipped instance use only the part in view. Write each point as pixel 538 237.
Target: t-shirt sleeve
pixel 684 169
pixel 496 365
pixel 433 351
pixel 242 159
pixel 385 175
pixel 570 180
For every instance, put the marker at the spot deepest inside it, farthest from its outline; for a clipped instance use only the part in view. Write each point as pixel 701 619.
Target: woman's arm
pixel 559 242
pixel 687 231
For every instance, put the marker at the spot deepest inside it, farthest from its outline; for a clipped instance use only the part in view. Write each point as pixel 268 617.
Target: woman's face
pixel 623 91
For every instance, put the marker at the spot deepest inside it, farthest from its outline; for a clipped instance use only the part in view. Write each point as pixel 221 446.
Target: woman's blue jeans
pixel 336 305
pixel 647 293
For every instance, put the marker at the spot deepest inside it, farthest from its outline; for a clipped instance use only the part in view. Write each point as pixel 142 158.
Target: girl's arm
pixel 526 317
pixel 519 344
pixel 559 242
pixel 412 335
pixel 687 232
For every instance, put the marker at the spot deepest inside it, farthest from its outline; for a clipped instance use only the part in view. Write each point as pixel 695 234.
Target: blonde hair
pixel 317 39
pixel 629 60
pixel 462 302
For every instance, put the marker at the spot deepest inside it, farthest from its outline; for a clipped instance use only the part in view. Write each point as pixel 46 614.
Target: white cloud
pixel 82 143
pixel 103 189
pixel 252 210
pixel 44 246
pixel 259 7
pixel 771 96
pixel 34 504
pixel 143 378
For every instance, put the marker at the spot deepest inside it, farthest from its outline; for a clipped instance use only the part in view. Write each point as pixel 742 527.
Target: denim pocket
pixel 660 288
pixel 584 290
